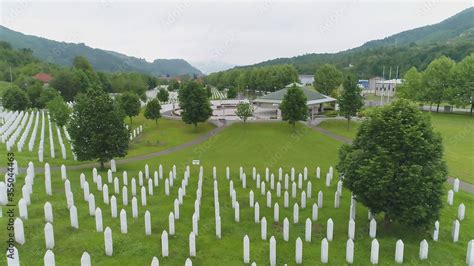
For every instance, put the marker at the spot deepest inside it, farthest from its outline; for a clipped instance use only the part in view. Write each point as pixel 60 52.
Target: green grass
pixel 262 145
pixel 154 138
pixel 457 131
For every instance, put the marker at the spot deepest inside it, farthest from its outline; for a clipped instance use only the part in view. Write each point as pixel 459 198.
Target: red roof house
pixel 43 77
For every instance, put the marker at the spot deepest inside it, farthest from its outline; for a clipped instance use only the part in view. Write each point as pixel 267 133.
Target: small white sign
pixel 196 162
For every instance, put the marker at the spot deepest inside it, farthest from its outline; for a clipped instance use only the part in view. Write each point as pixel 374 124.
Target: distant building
pixel 387 87
pixel 372 82
pixel 43 77
pixel 306 79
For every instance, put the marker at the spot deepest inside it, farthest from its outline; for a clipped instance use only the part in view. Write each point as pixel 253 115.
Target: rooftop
pixel 313 97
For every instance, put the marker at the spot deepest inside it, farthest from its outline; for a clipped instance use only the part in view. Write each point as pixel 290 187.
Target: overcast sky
pixel 234 32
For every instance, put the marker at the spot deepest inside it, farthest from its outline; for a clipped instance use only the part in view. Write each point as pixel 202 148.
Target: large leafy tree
pixel 244 111
pixel 194 103
pixel 293 107
pixel 463 92
pixel 327 79
pixel 15 99
pixel 130 104
pixel 394 165
pixel 350 100
pixel 437 78
pixel 152 110
pixel 34 94
pixel 163 95
pixel 68 83
pixel 412 87
pixel 97 128
pixel 47 94
pixel 59 111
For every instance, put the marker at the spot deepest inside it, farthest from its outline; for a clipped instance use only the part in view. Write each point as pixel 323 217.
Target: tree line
pixel 443 81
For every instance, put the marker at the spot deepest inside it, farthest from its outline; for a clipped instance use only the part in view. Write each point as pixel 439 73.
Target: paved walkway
pixel 467 187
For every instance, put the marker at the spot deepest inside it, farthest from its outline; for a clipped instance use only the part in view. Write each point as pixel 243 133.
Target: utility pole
pixel 11 77
pixel 381 91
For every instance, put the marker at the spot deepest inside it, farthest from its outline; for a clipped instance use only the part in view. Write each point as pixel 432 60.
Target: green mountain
pixel 453 37
pixel 62 53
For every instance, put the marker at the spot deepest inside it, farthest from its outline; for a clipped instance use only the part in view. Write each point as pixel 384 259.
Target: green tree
pixel 231 93
pixel 59 111
pixel 97 128
pixel 34 94
pixel 327 79
pixel 130 104
pixel 350 100
pixel 208 91
pixel 244 111
pixel 80 62
pixel 437 78
pixel 163 95
pixel 293 107
pixel 68 84
pixel 463 91
pixel 194 103
pixel 152 110
pixel 15 99
pixel 394 165
pixel 412 87
pixel 47 94
pixel 174 85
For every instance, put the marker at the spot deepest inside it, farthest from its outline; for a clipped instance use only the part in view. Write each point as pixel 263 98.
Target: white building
pixel 387 87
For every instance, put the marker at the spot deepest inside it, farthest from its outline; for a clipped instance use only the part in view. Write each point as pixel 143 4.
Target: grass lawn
pixel 154 138
pixel 458 138
pixel 270 145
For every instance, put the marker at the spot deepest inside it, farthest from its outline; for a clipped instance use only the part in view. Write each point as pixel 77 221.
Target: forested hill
pixel 453 37
pixel 62 53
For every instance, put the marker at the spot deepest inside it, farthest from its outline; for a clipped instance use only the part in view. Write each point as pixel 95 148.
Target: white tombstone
pixel 273 251
pixel 73 217
pixel 276 212
pixel 455 230
pixel 113 165
pixel 195 224
pixel 251 199
pixel 113 207
pixel 246 249
pixel 299 251
pixel 86 191
pixel 125 178
pixel 82 179
pixel 150 186
pixel 456 185
pixel 278 189
pixel 49 259
pixel 324 251
pixel 99 182
pixel 143 196
pixel 155 262
pixel 286 200
pixel 351 229
pixel 19 231
pixel 286 229
pixel 350 251
pixel 314 213
pixel 296 213
pixel 300 181
pixel 263 228
pixel 116 185
pixel 123 222
pixel 470 253
pixel 49 236
pixel 192 245
pixel 48 212
pixel 399 251
pixel 293 190
pixel 218 227
pixel 461 211
pixel 134 208
pixel 98 220
pixel 171 223
pixel 164 244
pixel 436 231
pixel 320 199
pixel 269 199
pixel 303 200
pixel 63 172
pixel 423 250
pixel 237 212
pixel 156 179
pixel 450 197
pixel 91 205
pixel 257 213
pixel 124 196
pixel 188 262
pixel 167 187
pixel 337 200
pixel 69 199
pixel 176 209
pixel 329 229
pixel 373 228
pixel 105 194
pixel 307 231
pixel 85 259
pixel 133 183
pixel 374 251
pixel 108 241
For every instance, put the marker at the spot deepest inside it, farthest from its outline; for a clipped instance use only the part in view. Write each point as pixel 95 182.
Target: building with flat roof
pixel 387 87
pixel 315 100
